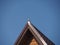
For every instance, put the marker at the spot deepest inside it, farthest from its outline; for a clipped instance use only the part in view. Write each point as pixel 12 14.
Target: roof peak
pixel 29 21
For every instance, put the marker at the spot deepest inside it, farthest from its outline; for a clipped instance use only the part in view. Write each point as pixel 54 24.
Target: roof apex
pixel 29 22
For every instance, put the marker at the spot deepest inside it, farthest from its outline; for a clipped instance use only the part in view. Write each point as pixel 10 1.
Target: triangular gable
pixel 29 33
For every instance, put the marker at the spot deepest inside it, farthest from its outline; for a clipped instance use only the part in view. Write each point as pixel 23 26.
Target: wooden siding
pixel 33 42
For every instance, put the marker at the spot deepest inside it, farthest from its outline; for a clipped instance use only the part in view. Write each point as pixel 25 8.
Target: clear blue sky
pixel 44 14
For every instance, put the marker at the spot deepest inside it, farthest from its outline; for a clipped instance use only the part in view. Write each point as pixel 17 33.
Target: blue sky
pixel 44 14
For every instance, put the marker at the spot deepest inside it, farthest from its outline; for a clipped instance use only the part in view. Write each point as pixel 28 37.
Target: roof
pixel 39 36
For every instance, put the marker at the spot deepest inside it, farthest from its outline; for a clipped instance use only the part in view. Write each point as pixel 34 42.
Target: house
pixel 32 36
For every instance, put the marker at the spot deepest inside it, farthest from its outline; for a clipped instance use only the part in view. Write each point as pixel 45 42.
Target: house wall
pixel 33 42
